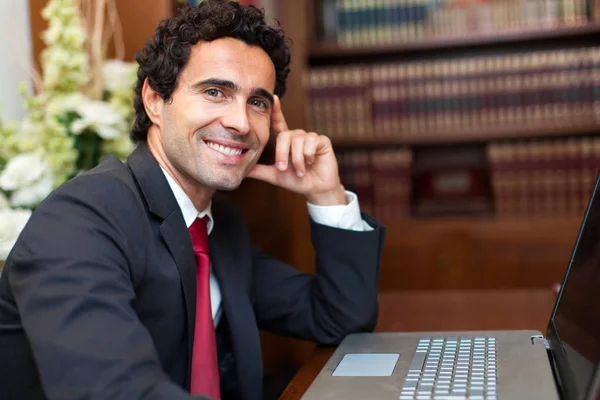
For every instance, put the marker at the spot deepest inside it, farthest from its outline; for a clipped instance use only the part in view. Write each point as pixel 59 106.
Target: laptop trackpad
pixel 370 364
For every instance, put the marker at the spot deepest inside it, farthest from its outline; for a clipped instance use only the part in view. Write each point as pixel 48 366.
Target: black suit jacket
pixel 97 298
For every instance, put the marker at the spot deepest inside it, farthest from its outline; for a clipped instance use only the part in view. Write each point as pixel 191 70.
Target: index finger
pixel 278 123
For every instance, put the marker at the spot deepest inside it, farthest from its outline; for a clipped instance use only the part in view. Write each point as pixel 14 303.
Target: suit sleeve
pixel 71 281
pixel 341 298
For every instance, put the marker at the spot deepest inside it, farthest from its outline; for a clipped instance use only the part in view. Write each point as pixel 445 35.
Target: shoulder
pixel 108 189
pixel 108 181
pixel 93 211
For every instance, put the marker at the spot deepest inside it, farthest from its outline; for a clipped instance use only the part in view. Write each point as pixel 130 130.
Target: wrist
pixel 334 197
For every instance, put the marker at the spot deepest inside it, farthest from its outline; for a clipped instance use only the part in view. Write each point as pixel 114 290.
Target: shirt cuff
pixel 341 216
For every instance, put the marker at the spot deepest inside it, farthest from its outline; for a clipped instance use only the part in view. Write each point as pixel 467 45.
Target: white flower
pixel 74 36
pixel 62 104
pixel 31 196
pixel 51 74
pixel 3 202
pixel 12 223
pixel 101 117
pixel 52 34
pixel 23 171
pixel 119 75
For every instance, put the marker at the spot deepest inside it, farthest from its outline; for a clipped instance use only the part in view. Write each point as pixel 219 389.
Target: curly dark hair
pixel 162 59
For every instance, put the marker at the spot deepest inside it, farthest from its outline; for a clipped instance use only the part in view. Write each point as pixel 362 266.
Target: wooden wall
pixel 137 16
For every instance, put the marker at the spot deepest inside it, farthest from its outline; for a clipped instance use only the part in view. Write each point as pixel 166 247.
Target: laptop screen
pixel 577 314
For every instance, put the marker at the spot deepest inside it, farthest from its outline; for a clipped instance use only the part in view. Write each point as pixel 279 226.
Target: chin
pixel 226 184
pixel 229 186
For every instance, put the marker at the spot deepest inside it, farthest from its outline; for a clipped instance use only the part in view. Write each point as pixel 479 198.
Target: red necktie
pixel 205 370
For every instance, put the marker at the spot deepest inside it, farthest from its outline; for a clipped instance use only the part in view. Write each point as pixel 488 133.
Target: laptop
pixel 485 365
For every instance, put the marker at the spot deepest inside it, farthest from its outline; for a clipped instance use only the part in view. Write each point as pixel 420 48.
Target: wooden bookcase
pixel 442 252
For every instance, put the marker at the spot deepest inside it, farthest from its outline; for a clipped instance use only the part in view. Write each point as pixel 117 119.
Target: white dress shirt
pixel 341 216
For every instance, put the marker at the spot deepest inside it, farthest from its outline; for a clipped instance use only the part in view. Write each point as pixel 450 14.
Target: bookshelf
pixel 329 52
pixel 472 135
pixel 502 244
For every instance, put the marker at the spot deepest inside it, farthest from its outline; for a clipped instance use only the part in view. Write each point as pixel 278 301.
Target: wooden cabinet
pixel 475 253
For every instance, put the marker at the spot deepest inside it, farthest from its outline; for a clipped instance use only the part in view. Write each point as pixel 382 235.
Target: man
pixel 107 294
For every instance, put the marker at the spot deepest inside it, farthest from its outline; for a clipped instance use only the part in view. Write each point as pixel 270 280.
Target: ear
pixel 153 103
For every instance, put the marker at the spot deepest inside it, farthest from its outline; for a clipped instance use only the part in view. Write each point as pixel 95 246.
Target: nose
pixel 235 118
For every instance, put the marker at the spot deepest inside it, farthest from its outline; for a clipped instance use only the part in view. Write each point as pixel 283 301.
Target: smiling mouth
pixel 228 151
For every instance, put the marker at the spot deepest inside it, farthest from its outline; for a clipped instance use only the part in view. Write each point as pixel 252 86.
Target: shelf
pixel 330 51
pixel 509 225
pixel 472 135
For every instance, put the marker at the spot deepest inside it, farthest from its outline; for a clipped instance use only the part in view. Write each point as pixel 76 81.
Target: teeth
pixel 228 151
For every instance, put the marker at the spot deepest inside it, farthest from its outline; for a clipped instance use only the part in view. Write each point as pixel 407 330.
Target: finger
pixel 278 123
pixel 282 150
pixel 298 154
pixel 310 148
pixel 265 173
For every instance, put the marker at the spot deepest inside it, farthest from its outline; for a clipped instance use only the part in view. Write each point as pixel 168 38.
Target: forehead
pixel 230 59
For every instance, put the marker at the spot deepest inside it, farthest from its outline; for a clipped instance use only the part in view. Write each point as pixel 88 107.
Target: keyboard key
pixel 417 362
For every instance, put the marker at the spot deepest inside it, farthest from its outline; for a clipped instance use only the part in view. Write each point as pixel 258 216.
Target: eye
pixel 212 92
pixel 259 103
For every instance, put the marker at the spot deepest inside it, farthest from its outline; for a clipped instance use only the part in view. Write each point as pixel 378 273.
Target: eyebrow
pixel 233 86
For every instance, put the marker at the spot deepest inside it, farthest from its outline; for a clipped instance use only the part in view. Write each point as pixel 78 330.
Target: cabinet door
pixel 476 254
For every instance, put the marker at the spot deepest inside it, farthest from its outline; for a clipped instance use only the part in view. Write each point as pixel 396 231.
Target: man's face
pixel 218 122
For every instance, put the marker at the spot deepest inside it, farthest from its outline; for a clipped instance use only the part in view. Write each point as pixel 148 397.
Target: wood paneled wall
pixel 138 17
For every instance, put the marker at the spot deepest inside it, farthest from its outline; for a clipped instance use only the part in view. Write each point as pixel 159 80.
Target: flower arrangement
pixel 82 110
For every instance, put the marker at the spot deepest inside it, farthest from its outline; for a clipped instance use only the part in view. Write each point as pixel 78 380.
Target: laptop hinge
pixel 540 339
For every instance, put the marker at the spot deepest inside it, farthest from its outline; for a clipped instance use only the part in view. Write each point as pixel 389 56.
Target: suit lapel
pixel 161 202
pixel 180 245
pixel 238 308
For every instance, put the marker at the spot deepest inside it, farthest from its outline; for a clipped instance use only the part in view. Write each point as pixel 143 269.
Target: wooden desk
pixel 443 310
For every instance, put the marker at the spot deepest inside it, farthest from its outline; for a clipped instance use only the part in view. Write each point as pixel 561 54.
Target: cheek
pixel 262 127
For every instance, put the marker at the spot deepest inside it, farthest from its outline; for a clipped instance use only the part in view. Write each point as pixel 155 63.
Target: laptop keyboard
pixel 452 368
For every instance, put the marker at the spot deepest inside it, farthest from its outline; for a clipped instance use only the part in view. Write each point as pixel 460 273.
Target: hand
pixel 304 163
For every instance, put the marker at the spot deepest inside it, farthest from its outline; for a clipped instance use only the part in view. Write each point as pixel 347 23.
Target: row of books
pixel 354 23
pixel 533 178
pixel 470 95
pixel 543 177
pixel 255 3
pixel 381 180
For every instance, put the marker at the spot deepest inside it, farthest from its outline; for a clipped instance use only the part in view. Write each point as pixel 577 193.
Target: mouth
pixel 228 150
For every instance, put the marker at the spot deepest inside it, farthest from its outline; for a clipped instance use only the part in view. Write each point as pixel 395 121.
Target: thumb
pixel 266 173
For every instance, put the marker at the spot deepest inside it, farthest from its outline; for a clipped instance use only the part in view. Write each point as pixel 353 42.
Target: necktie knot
pixel 199 235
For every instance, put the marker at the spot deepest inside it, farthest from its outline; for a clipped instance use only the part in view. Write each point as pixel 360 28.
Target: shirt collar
pixel 187 207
